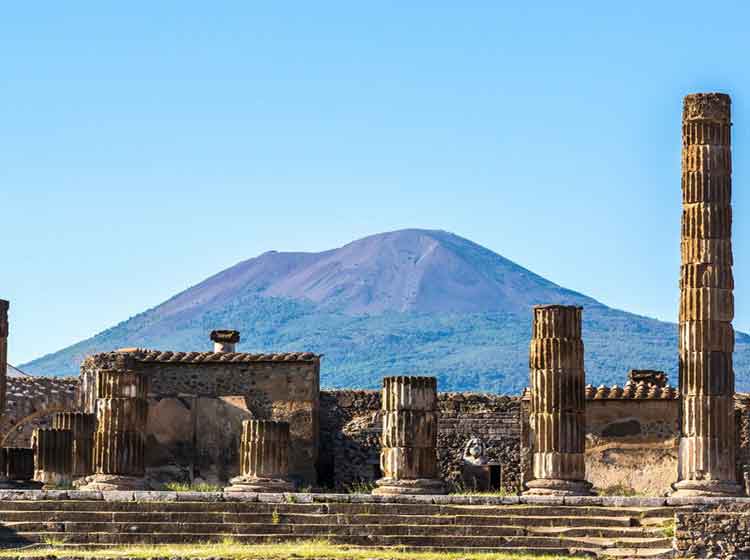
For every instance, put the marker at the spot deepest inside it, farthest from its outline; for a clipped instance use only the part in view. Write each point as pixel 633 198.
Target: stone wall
pixel 713 531
pixel 31 403
pixel 197 402
pixel 632 445
pixel 742 422
pixel 351 427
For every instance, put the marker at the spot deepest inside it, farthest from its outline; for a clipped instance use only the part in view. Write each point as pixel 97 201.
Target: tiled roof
pixel 144 355
pixel 631 391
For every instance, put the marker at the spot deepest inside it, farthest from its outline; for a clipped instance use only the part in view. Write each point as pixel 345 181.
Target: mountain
pixel 410 301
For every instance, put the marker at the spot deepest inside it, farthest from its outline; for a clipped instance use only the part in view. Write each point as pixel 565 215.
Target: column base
pixel 108 482
pixel 558 487
pixel 706 488
pixel 260 485
pixel 423 486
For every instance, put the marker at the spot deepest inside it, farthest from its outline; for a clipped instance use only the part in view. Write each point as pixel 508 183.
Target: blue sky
pixel 148 145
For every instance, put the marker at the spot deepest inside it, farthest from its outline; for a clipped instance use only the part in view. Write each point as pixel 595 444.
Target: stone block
pixel 154 496
pixel 240 496
pixel 118 496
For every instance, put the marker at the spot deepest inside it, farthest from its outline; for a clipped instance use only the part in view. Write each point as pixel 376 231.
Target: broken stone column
pixel 53 454
pixel 408 458
pixel 264 458
pixel 558 400
pixel 16 468
pixel 706 465
pixel 118 447
pixel 4 305
pixel 19 463
pixel 82 425
pixel 225 341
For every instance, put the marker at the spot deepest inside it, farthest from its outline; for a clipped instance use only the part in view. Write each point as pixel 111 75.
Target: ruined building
pixel 139 418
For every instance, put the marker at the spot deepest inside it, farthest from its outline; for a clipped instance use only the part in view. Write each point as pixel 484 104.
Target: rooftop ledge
pixel 308 498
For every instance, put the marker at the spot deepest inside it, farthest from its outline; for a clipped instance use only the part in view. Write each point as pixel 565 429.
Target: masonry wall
pixel 31 402
pixel 196 412
pixel 713 531
pixel 632 445
pixel 351 426
pixel 742 421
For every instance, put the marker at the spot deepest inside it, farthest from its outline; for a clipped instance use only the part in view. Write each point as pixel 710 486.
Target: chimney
pixel 224 341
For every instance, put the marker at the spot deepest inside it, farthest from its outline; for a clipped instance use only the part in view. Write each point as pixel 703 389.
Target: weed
pixel 194 487
pixel 360 487
pixel 667 528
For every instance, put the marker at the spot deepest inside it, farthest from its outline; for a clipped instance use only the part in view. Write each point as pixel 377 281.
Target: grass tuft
pixel 360 487
pixel 194 487
pixel 458 488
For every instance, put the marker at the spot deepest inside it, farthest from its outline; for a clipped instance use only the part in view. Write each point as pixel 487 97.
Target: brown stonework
pixel 82 425
pixel 118 443
pixel 17 468
pixel 706 465
pixel 4 305
pixel 557 417
pixel 19 463
pixel 197 402
pixel 408 458
pixel 264 458
pixel 53 456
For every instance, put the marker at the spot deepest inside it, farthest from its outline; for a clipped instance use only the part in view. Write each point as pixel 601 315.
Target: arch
pixel 32 399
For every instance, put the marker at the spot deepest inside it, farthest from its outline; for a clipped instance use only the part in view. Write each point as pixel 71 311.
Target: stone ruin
pixel 259 423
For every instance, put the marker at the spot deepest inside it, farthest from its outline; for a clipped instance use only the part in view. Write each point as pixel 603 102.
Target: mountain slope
pixel 411 301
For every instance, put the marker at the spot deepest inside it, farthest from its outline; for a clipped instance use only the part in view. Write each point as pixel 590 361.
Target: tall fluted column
pixel 706 342
pixel 82 426
pixel 408 458
pixel 264 458
pixel 558 402
pixel 53 454
pixel 121 413
pixel 4 305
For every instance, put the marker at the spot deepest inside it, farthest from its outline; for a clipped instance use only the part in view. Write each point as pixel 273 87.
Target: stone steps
pixel 337 508
pixel 327 529
pixel 322 519
pixel 425 541
pixel 523 528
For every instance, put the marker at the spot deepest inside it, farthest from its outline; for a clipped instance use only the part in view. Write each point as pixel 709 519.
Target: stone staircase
pixel 522 528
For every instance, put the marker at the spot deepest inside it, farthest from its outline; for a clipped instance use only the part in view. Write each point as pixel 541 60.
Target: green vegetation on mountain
pixel 417 302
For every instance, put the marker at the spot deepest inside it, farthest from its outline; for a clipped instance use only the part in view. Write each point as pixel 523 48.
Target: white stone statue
pixel 475 452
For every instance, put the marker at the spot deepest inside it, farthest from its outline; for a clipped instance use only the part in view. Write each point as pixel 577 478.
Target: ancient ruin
pixel 197 402
pixel 82 427
pixel 264 458
pixel 557 402
pixel 53 456
pixel 121 412
pixel 591 468
pixel 707 449
pixel 409 455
